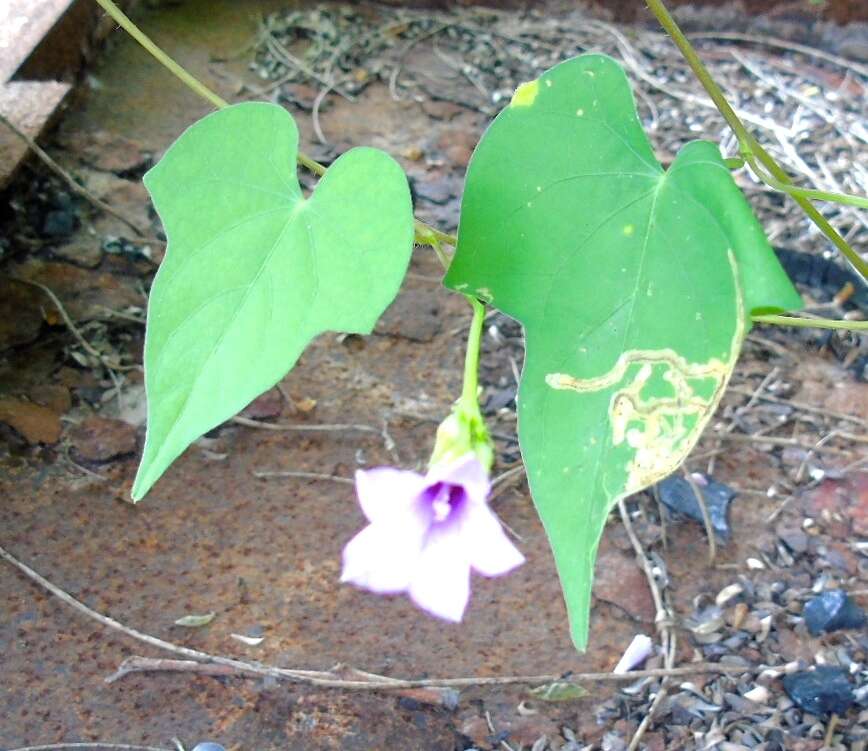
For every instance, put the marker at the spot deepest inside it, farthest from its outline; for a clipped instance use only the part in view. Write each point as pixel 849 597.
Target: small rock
pixel 834 502
pixel 458 145
pixel 758 695
pixel 37 424
pixel 831 611
pixel 728 593
pixel 20 316
pixel 53 396
pixel 678 496
pixel 413 153
pixel 104 150
pixel 736 616
pixel 265 406
pixel 85 294
pixel 83 251
pixel 208 746
pixel 476 729
pixel 441 110
pixel 59 223
pixel 439 192
pixel 793 537
pixel 99 439
pixel 821 691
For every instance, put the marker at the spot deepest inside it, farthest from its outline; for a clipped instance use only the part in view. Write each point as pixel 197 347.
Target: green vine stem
pixel 811 323
pixel 424 232
pixel 470 391
pixel 136 33
pixel 749 146
pixel 811 194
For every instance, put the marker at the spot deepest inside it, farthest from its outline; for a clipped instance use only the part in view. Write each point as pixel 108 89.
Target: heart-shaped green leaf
pixel 634 286
pixel 254 270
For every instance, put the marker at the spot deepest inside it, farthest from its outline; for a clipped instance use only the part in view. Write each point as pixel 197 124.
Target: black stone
pixel 678 496
pixel 822 691
pixel 59 224
pixel 832 610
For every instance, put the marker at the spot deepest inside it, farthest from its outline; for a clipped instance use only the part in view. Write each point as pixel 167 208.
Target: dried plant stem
pixel 95 744
pixel 663 620
pixel 830 731
pixel 801 406
pixel 736 36
pixel 298 474
pixel 301 427
pixel 333 679
pixel 68 179
pixel 110 365
pixel 706 517
pixel 138 664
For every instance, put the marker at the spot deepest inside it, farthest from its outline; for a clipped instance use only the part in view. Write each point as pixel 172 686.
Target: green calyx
pixel 460 433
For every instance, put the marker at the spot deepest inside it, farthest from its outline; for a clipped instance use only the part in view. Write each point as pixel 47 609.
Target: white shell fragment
pixel 250 641
pixel 640 649
pixel 728 593
pixel 758 695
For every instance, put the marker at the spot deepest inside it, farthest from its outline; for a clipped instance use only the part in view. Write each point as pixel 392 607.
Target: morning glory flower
pixel 426 533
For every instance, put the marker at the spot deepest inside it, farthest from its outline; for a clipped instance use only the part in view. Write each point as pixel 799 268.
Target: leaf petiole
pixel 811 323
pixel 810 194
pixel 470 391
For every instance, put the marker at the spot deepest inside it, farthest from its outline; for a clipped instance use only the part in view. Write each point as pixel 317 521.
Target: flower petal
pixel 489 550
pixel 466 471
pixel 385 492
pixel 441 580
pixel 382 561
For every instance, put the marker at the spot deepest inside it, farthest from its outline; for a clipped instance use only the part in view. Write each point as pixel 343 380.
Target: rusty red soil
pixel 264 555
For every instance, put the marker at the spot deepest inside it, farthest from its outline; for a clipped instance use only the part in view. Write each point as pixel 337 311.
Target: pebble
pixel 37 424
pixel 99 439
pixel 59 223
pixel 678 496
pixel 758 694
pixel 822 691
pixel 832 610
pixel 728 593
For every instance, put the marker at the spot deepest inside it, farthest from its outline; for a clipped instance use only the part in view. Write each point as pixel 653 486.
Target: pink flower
pixel 426 533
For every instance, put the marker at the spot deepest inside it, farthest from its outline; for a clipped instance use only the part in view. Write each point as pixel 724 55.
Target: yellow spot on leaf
pixel 661 429
pixel 525 94
pixel 629 229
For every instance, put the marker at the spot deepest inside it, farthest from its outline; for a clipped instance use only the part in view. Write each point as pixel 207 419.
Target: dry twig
pixel 69 180
pixel 332 678
pixel 663 619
